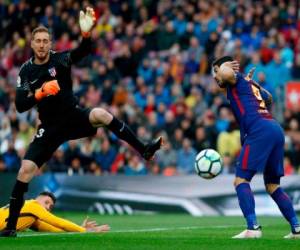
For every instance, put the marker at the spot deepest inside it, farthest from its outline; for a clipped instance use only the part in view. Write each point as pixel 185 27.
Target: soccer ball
pixel 208 164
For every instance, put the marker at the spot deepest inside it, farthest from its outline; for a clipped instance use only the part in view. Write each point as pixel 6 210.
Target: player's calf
pixel 121 129
pixel 285 206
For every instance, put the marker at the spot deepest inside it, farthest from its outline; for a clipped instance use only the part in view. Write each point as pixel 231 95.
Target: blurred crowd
pixel 151 67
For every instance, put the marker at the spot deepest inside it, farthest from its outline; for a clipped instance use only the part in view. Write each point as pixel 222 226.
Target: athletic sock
pixel 120 129
pixel 285 205
pixel 247 204
pixel 16 203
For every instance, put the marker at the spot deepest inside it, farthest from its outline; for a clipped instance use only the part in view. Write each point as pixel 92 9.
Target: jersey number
pixel 257 94
pixel 40 133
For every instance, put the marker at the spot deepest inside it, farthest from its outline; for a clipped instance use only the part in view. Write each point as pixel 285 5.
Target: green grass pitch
pixel 161 232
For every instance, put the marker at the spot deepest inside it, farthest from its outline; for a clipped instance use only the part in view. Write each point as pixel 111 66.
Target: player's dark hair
pixel 39 29
pixel 49 194
pixel 221 60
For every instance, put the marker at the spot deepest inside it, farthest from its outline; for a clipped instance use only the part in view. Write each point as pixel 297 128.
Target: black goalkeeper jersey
pixel 52 109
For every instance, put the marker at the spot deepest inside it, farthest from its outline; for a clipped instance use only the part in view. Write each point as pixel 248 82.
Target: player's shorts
pixel 263 151
pixel 48 138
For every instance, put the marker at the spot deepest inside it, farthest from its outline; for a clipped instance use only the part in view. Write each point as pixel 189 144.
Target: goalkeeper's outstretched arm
pixel 45 216
pixel 46 221
pixel 86 22
pixel 42 226
pixel 88 225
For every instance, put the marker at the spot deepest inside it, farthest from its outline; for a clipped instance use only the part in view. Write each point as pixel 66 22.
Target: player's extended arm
pixel 86 22
pixel 42 226
pixel 55 221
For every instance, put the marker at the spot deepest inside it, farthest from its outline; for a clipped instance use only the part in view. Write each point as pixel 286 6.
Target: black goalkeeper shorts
pixel 49 137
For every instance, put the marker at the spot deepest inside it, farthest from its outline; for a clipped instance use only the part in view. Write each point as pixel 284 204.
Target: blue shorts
pixel 263 151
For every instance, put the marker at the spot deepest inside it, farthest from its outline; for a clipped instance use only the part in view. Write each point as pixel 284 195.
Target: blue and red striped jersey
pixel 246 103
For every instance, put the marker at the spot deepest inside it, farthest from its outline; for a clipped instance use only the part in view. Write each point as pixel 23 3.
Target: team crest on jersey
pixel 52 72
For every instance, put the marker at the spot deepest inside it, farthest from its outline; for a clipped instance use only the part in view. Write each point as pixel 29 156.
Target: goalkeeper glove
pixel 87 21
pixel 47 89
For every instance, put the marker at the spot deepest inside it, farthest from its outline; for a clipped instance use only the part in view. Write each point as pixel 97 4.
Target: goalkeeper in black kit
pixel 45 81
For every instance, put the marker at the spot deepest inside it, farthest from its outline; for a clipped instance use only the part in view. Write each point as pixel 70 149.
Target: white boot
pixel 249 234
pixel 292 236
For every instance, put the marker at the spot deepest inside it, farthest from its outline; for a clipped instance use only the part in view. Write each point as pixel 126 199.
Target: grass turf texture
pixel 162 232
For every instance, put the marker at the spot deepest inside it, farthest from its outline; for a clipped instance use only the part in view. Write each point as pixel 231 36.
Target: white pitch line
pixel 158 229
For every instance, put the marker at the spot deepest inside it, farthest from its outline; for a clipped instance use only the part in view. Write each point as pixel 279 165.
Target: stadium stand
pixel 151 67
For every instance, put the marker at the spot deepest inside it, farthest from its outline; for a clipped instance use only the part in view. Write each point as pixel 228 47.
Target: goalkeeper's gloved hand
pixel 87 21
pixel 47 89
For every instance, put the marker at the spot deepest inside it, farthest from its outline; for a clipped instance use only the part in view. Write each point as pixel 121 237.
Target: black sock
pixel 120 129
pixel 16 203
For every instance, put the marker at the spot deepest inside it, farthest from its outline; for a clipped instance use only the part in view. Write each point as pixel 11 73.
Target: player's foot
pixel 295 234
pixel 292 236
pixel 249 234
pixel 8 233
pixel 151 148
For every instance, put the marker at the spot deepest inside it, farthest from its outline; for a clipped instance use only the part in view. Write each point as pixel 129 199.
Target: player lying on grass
pixel 262 141
pixel 45 81
pixel 36 215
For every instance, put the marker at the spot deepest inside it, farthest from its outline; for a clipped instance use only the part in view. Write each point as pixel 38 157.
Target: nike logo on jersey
pixel 123 126
pixel 34 81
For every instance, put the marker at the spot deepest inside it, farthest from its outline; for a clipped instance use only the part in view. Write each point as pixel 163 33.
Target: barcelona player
pixel 36 215
pixel 262 141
